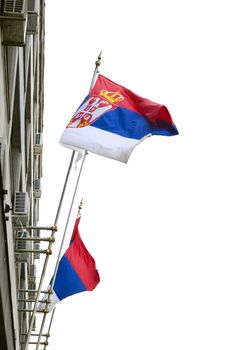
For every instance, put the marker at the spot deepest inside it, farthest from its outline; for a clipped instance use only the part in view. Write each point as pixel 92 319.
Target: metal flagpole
pixel 97 64
pixel 59 254
pixel 53 312
pixel 68 218
pixel 54 229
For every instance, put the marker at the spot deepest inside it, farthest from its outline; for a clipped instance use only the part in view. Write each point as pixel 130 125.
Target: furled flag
pixel 76 271
pixel 112 120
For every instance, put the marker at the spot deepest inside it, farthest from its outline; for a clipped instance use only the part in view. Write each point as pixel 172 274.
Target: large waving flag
pixel 112 120
pixel 76 271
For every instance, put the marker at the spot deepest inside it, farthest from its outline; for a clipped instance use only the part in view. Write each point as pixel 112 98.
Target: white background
pixel 161 227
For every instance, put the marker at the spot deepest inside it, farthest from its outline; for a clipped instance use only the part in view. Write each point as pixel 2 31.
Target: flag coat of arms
pixel 112 120
pixel 76 271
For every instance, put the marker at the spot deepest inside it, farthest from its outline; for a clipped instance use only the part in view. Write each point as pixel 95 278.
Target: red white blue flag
pixel 76 271
pixel 112 120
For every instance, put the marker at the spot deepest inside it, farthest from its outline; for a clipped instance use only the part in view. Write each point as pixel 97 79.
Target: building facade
pixel 21 126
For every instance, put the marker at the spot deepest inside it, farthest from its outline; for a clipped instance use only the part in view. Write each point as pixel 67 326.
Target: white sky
pixel 161 227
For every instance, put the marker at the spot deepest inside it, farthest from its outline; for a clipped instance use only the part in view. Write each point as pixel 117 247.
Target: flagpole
pixel 52 316
pixel 96 71
pixel 59 254
pixel 53 312
pixel 68 218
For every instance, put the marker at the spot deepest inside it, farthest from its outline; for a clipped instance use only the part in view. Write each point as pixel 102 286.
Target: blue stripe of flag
pixel 67 280
pixel 130 124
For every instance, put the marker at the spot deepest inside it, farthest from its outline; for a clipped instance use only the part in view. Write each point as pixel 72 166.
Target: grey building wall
pixel 21 126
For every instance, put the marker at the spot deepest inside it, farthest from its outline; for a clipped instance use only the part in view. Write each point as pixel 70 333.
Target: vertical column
pixel 32 125
pixel 22 117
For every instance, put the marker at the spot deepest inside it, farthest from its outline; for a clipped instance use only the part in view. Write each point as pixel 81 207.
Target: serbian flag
pixel 76 271
pixel 112 120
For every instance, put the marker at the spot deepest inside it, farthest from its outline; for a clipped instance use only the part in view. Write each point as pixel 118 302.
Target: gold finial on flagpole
pixel 80 207
pixel 96 71
pixel 98 62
